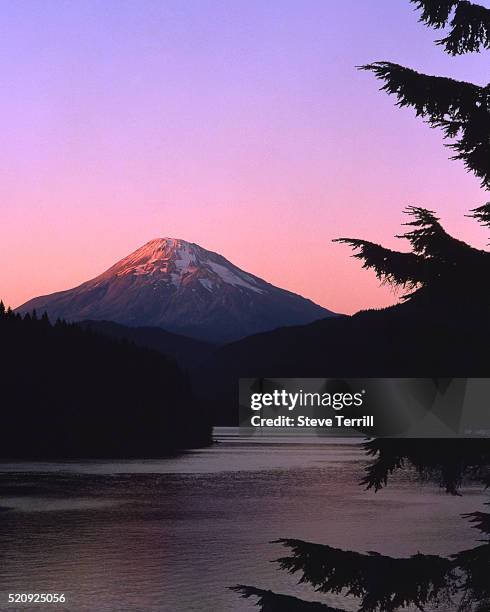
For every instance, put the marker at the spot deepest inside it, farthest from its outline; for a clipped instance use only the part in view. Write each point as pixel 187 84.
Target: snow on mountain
pixel 171 260
pixel 183 288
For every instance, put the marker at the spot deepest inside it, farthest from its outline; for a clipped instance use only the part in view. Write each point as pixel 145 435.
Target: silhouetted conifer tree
pixel 469 24
pixel 438 262
pixel 459 108
pixel 387 584
pixel 440 268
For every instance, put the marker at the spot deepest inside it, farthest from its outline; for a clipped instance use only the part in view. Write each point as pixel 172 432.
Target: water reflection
pixel 172 535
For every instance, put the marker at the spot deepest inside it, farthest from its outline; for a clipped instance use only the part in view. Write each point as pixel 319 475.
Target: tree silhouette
pixel 268 601
pixel 444 460
pixel 440 273
pixel 469 25
pixel 70 392
pixel 460 109
pixel 437 265
pixel 386 584
pixel 438 262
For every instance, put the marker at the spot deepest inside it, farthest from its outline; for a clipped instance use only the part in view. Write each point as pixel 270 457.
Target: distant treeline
pixel 70 392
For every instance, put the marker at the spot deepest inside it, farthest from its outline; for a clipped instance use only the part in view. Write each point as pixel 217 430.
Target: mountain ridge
pixel 187 352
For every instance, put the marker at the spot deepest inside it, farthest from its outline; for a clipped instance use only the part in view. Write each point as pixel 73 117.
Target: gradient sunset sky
pixel 241 125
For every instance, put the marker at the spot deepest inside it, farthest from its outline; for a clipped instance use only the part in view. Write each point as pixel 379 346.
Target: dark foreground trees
pixel 440 271
pixel 442 277
pixel 385 584
pixel 69 392
pixel 460 109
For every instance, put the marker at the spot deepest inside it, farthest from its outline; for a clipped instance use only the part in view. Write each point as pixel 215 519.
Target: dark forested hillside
pixel 401 341
pixel 187 352
pixel 69 392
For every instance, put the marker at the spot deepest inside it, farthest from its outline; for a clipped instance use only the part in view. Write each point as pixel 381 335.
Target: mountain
pixel 188 352
pixel 185 289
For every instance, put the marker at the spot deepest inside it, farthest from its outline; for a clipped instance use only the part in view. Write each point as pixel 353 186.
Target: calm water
pixel 172 535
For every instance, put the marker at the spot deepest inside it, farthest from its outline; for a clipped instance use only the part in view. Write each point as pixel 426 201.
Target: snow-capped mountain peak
pixel 184 288
pixel 175 261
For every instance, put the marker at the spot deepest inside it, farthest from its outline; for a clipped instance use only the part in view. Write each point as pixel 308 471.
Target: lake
pixel 173 534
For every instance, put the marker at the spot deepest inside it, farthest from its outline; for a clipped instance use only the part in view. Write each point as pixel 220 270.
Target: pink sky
pixel 242 126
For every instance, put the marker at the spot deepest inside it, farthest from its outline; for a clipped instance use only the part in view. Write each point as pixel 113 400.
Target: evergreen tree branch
pixel 470 29
pixel 431 240
pixel 387 461
pixel 482 214
pixel 438 261
pixel 268 601
pixel 480 521
pixel 435 13
pixel 475 565
pixel 402 269
pixel 382 583
pixel 470 24
pixel 445 460
pixel 460 109
pixel 434 97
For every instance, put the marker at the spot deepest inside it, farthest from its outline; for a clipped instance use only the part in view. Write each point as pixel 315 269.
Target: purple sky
pixel 240 125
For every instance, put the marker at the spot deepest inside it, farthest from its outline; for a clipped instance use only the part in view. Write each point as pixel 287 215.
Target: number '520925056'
pixel 37 598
